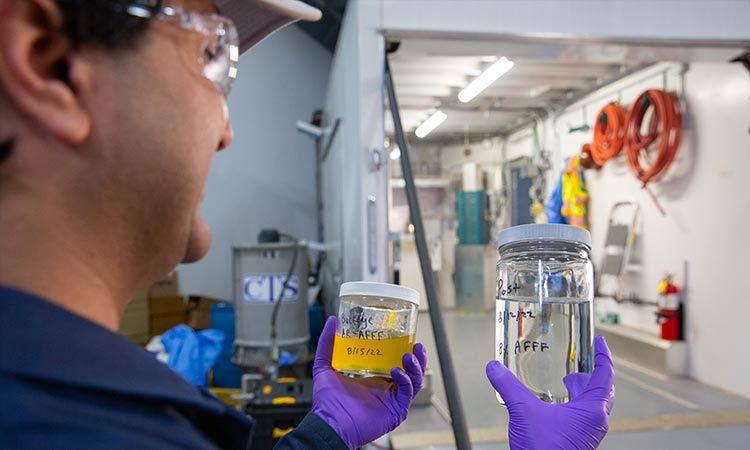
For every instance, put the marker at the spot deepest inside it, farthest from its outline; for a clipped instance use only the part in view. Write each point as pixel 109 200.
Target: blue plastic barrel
pixel 225 373
pixel 317 320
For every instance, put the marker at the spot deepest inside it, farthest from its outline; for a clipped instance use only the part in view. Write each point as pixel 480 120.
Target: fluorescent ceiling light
pixel 395 153
pixel 430 124
pixel 488 77
pixel 537 91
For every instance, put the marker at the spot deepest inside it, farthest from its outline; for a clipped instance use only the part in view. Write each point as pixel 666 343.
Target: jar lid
pixel 380 290
pixel 543 232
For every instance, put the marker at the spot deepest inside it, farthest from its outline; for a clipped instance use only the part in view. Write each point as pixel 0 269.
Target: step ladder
pixel 618 249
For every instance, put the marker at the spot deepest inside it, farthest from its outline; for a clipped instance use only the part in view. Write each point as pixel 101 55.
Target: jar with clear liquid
pixel 377 326
pixel 544 315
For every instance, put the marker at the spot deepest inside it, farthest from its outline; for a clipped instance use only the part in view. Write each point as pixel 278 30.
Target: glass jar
pixel 545 291
pixel 377 325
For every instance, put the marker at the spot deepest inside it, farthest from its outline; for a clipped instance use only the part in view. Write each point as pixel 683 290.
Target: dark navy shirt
pixel 68 383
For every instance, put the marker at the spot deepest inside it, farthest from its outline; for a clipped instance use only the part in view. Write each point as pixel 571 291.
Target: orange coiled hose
pixel 609 133
pixel 649 155
pixel 587 161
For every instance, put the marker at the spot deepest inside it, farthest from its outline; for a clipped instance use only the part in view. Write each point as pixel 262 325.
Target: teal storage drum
pixel 472 209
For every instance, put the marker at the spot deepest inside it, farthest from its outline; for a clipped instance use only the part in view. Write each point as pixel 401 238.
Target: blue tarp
pixel 191 353
pixel 554 205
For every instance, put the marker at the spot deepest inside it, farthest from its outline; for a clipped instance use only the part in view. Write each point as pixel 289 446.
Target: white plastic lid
pixel 541 232
pixel 374 289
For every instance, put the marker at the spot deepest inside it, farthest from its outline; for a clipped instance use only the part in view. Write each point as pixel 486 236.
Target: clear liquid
pixel 542 343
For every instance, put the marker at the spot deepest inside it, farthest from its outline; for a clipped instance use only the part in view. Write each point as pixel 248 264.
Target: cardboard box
pixel 164 306
pixel 167 287
pixel 141 338
pixel 160 324
pixel 135 319
pixel 199 312
pixel 167 307
pixel 199 319
pixel 134 323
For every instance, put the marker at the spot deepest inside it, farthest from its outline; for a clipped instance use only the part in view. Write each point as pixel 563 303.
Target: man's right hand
pixel 580 424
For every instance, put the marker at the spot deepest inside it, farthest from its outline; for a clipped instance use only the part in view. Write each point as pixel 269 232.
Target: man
pixel 111 111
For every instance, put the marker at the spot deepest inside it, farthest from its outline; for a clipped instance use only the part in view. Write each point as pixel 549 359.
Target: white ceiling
pixel 547 76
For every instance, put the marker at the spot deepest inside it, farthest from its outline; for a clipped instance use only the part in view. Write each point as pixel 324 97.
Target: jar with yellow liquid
pixel 377 325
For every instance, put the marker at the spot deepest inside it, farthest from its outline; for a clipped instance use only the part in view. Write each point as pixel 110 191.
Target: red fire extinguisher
pixel 670 310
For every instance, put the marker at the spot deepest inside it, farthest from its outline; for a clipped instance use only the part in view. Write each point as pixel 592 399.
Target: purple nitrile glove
pixel 580 424
pixel 361 410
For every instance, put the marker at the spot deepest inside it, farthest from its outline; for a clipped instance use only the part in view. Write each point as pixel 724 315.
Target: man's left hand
pixel 361 410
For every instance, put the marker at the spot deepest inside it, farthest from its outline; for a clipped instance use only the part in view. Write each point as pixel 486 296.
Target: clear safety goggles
pixel 220 50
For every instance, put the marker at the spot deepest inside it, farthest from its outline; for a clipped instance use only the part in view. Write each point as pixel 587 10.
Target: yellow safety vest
pixel 574 194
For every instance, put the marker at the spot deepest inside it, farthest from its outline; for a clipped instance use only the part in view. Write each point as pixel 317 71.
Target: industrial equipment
pixel 278 407
pixel 473 211
pixel 270 277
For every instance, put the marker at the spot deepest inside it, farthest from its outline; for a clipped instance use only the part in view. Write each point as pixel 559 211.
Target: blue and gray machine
pixel 260 272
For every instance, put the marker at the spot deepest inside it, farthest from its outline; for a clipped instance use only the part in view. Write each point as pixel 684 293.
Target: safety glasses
pixel 219 52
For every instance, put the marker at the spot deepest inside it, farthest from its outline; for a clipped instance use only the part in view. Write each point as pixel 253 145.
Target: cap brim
pixel 258 19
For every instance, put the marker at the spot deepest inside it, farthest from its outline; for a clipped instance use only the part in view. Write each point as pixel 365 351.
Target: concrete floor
pixel 651 411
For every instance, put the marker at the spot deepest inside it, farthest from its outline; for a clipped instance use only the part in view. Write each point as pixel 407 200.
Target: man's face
pixel 162 122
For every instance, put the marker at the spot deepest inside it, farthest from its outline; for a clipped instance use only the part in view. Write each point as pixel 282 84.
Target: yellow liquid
pixel 370 356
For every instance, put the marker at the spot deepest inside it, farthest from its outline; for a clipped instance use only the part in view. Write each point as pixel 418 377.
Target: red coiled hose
pixel 649 155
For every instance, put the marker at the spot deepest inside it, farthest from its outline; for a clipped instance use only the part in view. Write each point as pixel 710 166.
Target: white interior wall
pixel 355 94
pixel 706 201
pixel 266 179
pixel 486 154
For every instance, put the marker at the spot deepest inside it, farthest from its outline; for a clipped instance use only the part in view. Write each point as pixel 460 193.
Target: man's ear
pixel 37 72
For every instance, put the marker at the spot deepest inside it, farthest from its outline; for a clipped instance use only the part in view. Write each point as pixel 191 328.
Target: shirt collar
pixel 43 341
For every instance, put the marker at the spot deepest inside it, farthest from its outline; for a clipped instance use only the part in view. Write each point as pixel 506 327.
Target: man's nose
pixel 226 137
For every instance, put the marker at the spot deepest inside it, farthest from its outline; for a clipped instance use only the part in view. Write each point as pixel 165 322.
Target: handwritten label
pixel 357 320
pixel 507 316
pixel 364 334
pixel 503 291
pixel 363 351
pixel 523 347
